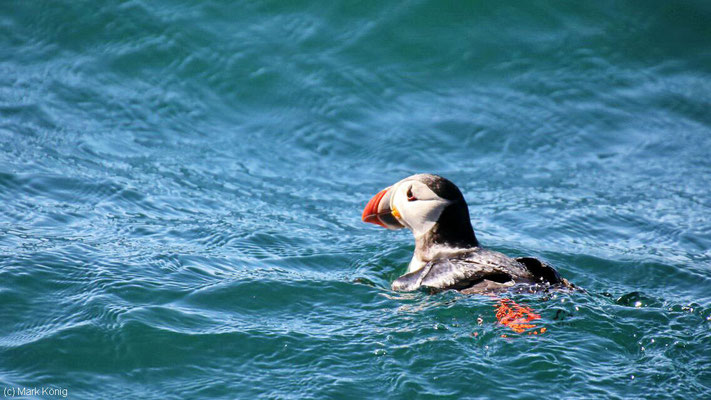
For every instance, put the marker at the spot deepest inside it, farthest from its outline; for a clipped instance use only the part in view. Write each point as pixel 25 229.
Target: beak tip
pixel 370 218
pixel 370 213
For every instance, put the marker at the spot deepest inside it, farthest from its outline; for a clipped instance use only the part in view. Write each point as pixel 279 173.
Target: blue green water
pixel 181 186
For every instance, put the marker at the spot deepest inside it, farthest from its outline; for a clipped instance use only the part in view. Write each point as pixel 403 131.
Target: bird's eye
pixel 410 196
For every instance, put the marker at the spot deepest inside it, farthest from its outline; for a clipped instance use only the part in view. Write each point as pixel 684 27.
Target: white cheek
pixel 425 216
pixel 419 216
pixel 424 227
pixel 401 205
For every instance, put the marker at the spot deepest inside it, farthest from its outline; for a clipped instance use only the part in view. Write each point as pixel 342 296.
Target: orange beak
pixel 378 211
pixel 370 213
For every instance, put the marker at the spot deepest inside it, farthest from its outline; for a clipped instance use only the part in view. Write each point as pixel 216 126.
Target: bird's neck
pixel 452 234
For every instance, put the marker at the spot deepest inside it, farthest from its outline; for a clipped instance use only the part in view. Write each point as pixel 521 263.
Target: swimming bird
pixel 447 252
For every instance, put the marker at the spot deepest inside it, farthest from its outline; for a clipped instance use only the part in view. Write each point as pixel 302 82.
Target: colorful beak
pixel 378 211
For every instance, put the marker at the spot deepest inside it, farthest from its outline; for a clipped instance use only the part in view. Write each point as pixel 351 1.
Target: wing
pixel 487 269
pixel 544 273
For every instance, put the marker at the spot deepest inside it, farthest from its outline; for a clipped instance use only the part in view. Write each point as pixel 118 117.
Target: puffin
pixel 447 253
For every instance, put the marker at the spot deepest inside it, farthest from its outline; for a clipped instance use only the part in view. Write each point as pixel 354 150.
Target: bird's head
pixel 427 205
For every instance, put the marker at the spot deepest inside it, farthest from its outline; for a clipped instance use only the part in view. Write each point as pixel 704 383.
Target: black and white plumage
pixel 447 253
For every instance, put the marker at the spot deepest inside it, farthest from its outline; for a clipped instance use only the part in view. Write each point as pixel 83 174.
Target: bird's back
pixel 478 271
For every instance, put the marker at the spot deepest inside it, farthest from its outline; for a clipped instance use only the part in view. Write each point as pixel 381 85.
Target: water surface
pixel 181 187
